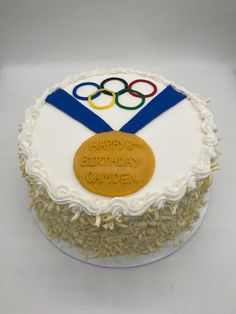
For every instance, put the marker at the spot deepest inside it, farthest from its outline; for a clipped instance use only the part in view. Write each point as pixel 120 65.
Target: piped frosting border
pixel 95 206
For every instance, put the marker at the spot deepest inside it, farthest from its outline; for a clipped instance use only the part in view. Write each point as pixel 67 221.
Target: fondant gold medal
pixel 114 163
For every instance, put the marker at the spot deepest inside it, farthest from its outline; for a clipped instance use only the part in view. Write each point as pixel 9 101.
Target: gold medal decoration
pixel 114 163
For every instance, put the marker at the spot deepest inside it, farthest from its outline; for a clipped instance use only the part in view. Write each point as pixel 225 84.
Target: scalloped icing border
pixel 117 206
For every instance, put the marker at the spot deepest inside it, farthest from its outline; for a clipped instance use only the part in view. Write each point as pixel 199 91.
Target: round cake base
pixel 124 262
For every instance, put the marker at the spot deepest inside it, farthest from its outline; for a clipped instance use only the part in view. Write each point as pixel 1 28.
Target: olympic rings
pixel 125 90
pixel 113 79
pixel 143 81
pixel 115 95
pixel 85 84
pixel 91 96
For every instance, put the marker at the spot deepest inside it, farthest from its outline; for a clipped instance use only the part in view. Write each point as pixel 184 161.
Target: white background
pixel 190 42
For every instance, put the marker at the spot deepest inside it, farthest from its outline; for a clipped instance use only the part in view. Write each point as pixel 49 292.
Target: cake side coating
pixel 107 235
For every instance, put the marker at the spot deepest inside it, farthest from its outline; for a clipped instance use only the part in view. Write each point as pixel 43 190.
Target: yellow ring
pixel 105 106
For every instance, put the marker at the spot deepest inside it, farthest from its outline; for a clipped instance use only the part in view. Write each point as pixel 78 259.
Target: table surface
pixel 38 48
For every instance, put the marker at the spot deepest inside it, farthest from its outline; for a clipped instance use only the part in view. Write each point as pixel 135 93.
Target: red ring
pixel 143 81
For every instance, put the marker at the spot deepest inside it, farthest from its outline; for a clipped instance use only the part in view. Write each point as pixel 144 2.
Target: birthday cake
pixel 118 162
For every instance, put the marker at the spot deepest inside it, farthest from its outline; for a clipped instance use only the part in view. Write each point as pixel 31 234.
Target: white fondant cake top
pixel 183 140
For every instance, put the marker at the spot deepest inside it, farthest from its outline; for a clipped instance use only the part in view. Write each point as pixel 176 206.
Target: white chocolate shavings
pixel 108 235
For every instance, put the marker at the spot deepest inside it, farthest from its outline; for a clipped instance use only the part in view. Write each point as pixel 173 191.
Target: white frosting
pixel 183 140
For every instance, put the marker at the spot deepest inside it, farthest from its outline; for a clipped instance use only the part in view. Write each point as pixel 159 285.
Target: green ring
pixel 125 90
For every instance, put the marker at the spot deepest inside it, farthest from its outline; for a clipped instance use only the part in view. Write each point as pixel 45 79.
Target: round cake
pixel 118 162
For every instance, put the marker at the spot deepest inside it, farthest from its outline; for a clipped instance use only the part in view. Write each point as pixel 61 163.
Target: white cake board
pixel 124 262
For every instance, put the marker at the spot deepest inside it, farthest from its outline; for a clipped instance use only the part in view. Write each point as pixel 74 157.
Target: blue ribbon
pixel 168 98
pixel 69 105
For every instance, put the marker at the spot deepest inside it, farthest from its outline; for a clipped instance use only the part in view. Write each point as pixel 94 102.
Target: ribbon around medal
pixel 114 163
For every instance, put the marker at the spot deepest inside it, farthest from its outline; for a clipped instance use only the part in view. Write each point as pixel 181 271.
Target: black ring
pixel 113 79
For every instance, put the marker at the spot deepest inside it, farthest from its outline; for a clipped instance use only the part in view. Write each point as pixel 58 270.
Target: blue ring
pixel 85 84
